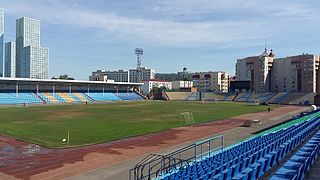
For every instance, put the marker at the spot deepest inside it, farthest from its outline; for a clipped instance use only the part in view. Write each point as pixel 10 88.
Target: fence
pixel 155 165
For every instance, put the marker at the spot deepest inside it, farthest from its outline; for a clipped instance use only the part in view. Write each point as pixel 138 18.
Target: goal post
pixel 187 118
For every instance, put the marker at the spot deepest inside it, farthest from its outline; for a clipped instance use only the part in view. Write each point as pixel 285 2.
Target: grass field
pixel 94 123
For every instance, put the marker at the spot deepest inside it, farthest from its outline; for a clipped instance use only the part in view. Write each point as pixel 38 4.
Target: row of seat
pixel 20 98
pixel 301 161
pixel 270 97
pixel 251 158
pixel 205 96
pixel 129 96
pixel 63 97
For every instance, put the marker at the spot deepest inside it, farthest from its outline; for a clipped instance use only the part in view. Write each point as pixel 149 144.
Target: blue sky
pixel 202 35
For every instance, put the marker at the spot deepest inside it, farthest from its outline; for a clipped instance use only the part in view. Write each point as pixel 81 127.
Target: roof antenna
pixel 265 44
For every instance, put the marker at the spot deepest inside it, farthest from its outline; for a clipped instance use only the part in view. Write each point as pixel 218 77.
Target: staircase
pixel 66 97
pixel 51 98
pixel 81 97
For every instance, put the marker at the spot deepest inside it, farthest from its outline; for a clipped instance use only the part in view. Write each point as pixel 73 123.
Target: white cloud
pixel 171 32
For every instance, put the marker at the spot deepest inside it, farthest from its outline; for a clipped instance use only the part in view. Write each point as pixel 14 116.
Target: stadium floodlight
pixel 139 53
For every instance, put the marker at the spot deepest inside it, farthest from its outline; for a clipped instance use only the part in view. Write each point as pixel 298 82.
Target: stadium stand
pixel 82 97
pixel 268 97
pixel 193 96
pixel 254 157
pixel 278 98
pixel 129 96
pixel 292 97
pixel 264 97
pixel 67 97
pixel 63 97
pixel 20 98
pixel 300 163
pixel 213 96
pixel 178 95
pixel 244 96
pixel 100 96
pixel 51 98
pixel 230 96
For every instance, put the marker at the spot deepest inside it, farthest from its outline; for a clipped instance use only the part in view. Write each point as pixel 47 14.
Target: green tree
pixel 66 77
pixel 156 92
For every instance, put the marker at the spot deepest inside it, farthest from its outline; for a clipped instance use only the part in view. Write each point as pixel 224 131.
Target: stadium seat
pixel 255 156
pixel 129 96
pixel 19 98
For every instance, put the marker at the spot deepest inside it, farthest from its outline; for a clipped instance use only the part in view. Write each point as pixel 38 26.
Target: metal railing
pixel 156 165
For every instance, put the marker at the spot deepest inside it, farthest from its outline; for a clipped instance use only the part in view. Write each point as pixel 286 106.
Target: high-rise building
pixel 290 74
pixel 295 73
pixel 10 59
pixel 32 61
pixel 1 41
pixel 256 69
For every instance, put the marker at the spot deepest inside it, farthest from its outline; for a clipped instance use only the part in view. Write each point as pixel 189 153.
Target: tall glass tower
pixel 1 41
pixel 32 61
pixel 10 59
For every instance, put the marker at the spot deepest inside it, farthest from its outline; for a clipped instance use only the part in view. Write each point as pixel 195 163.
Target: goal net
pixel 187 118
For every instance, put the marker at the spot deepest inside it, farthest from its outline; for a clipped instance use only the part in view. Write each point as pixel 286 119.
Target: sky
pixel 202 35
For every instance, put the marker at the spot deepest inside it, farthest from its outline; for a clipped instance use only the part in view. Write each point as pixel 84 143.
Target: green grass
pixel 95 123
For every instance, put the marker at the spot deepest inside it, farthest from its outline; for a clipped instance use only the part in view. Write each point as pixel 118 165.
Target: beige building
pixel 256 69
pixel 295 73
pixel 290 74
pixel 211 81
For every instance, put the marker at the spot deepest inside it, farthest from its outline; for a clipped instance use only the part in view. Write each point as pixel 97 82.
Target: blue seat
pixel 252 158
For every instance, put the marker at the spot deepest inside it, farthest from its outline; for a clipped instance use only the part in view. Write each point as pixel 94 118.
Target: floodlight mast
pixel 139 53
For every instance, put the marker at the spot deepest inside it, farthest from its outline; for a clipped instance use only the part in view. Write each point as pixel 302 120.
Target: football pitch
pixel 96 123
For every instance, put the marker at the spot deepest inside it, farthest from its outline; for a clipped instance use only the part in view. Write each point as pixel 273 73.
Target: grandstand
pixel 268 97
pixel 243 96
pixel 21 98
pixel 213 97
pixel 177 95
pixel 259 156
pixel 39 91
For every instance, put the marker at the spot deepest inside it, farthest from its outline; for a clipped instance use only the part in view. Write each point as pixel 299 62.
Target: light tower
pixel 139 53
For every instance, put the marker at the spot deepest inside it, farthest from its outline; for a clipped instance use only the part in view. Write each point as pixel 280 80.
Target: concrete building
pixel 1 41
pixel 10 59
pixel 122 75
pixel 211 81
pixel 295 74
pixel 269 74
pixel 32 61
pixel 179 76
pixel 37 62
pixel 257 70
pixel 146 74
pixel 185 75
pixel 182 84
pixel 152 83
pixel 117 76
